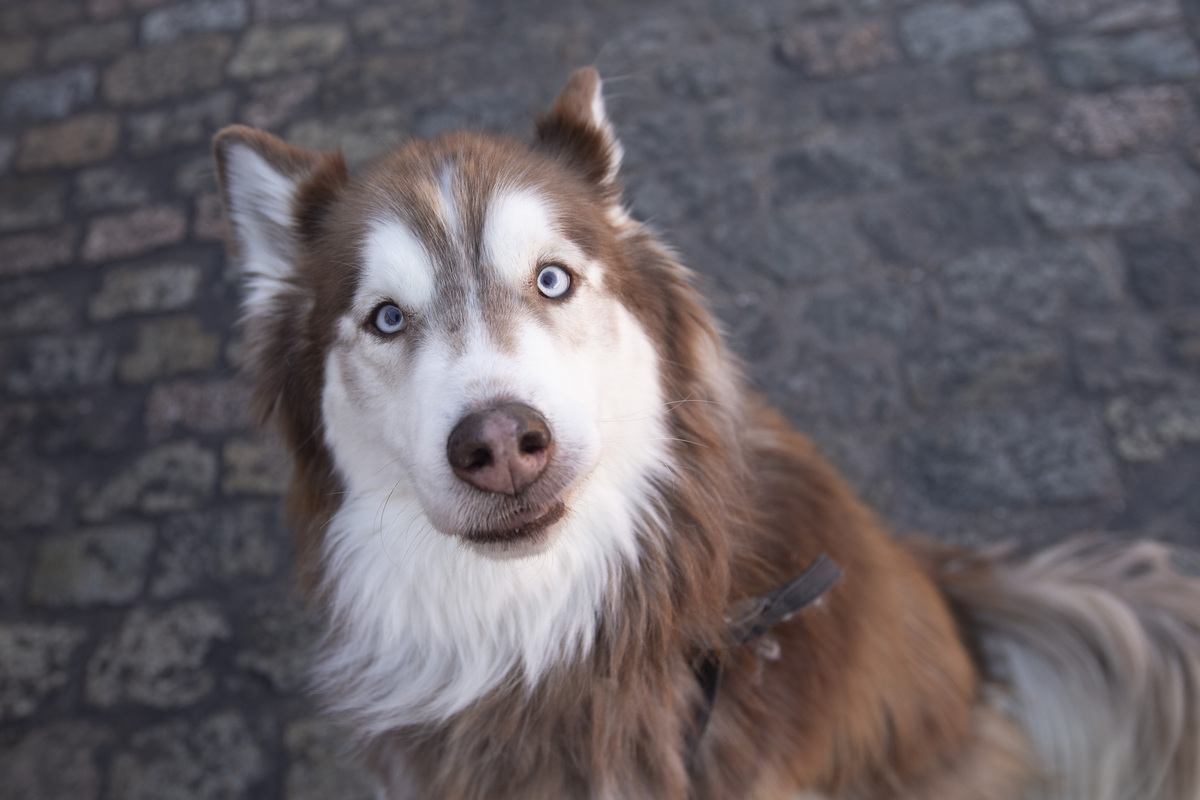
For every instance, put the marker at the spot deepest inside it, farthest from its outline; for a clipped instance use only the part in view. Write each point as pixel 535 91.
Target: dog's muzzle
pixel 502 449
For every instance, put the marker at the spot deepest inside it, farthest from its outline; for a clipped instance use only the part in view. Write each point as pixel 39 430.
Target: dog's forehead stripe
pixel 517 226
pixel 398 264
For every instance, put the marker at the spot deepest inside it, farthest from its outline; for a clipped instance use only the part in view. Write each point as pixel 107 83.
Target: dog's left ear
pixel 577 130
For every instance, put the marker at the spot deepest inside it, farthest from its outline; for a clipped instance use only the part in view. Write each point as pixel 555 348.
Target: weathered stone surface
pixel 195 176
pixel 1183 338
pixel 89 42
pixel 273 102
pixel 29 496
pixel 16 55
pixel 1007 76
pixel 927 228
pixel 62 364
pixel 125 235
pixel 39 17
pixel 254 467
pixel 135 290
pixel 85 139
pixel 170 477
pixel 361 137
pixel 215 547
pixel 1012 459
pixel 1038 285
pixel 107 9
pixel 887 311
pixel 42 97
pixel 946 31
pixel 142 77
pixel 318 764
pixel 1105 195
pixel 1093 63
pixel 857 388
pixel 201 16
pixel 36 252
pixel 971 367
pixel 200 406
pixel 1108 125
pixel 280 639
pixel 265 52
pixel 283 10
pixel 30 203
pixel 1147 431
pixel 1061 12
pixel 1118 354
pixel 209 222
pixel 214 759
pixel 168 347
pixel 824 51
pixel 54 762
pixel 107 188
pixel 951 149
pixel 26 307
pixel 99 566
pixel 156 659
pixel 797 245
pixel 838 167
pixel 34 663
pixel 1163 271
pixel 189 123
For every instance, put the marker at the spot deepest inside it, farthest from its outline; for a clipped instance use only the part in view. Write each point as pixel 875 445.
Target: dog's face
pixel 459 325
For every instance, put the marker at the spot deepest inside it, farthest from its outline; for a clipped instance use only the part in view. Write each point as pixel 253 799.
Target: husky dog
pixel 563 552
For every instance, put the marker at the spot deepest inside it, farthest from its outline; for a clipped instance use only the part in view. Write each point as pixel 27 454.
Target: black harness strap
pixel 752 618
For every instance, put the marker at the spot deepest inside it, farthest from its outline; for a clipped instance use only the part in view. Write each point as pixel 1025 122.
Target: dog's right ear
pixel 577 130
pixel 275 197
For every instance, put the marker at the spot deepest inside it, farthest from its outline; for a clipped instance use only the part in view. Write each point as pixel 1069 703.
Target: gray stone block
pixel 42 97
pixel 945 31
pixel 1012 459
pixel 102 566
pixel 186 124
pixel 216 547
pixel 265 52
pixel 1107 195
pixel 280 640
pixel 62 364
pixel 216 758
pixel 1148 430
pixel 34 662
pixel 972 367
pixel 1163 271
pixel 138 290
pixel 30 203
pixel 170 477
pixel 157 659
pixel 1146 56
pixel 59 761
pixel 839 167
pixel 951 149
pixel 199 16
pixel 1041 285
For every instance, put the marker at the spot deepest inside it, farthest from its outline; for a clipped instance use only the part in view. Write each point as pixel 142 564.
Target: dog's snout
pixel 502 449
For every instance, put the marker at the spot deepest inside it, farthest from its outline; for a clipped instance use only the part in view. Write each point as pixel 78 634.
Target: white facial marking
pixel 448 207
pixel 517 233
pixel 397 264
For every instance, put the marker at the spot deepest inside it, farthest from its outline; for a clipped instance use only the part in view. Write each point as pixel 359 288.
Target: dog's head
pixel 474 323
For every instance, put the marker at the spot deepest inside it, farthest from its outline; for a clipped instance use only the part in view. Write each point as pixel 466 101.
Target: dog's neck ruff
pixel 421 626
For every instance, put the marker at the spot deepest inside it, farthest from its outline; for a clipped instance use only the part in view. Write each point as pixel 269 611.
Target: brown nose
pixel 501 449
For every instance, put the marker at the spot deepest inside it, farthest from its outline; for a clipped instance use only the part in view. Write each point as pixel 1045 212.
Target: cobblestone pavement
pixel 954 240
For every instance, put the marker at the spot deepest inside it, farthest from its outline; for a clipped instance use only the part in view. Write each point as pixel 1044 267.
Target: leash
pixel 751 619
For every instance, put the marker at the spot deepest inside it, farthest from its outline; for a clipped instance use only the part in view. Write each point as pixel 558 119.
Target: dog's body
pixel 530 488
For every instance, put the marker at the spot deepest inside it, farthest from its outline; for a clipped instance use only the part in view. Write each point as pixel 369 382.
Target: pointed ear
pixel 275 196
pixel 577 130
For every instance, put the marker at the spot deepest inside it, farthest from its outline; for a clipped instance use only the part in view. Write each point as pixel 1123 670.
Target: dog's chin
pixel 527 533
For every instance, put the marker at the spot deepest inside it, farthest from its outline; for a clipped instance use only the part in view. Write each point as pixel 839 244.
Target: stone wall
pixel 955 241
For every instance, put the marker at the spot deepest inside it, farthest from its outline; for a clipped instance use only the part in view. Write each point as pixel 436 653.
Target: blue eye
pixel 553 281
pixel 389 319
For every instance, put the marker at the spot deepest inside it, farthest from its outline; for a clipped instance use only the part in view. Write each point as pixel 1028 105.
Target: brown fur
pixel 871 694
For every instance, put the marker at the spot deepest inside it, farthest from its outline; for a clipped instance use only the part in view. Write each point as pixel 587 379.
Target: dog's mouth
pixel 523 529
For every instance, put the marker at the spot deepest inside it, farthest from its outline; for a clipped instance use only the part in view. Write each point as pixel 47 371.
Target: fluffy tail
pixel 1098 644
